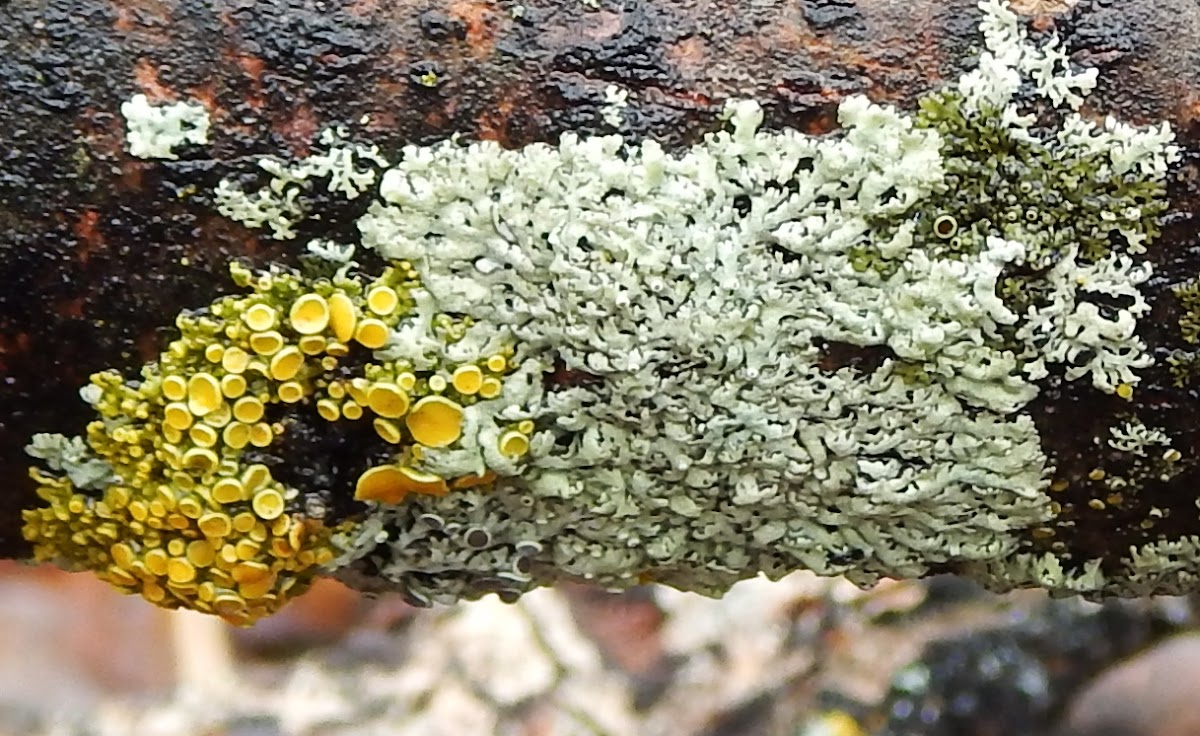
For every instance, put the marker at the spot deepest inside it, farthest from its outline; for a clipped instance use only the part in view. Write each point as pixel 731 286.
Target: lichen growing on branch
pixel 607 361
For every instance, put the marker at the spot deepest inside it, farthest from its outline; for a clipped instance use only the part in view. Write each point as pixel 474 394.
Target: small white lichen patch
pixel 350 169
pixel 330 251
pixel 1134 437
pixel 616 100
pixel 154 131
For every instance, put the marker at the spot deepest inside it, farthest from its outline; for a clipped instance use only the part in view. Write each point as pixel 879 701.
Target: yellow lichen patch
pixel 200 459
pixel 435 421
pixel 180 570
pixel 467 379
pixel 392 483
pixel 309 314
pixel 200 553
pixel 236 435
pixel 174 388
pixel 387 431
pixel 203 435
pixel 268 504
pixel 233 385
pixel 490 388
pixel 387 400
pixel 177 415
pixel 313 345
pixel 261 434
pixel 290 392
pixel 203 394
pixel 248 409
pixel 357 388
pixel 191 507
pixel 259 317
pixel 186 520
pixel 215 525
pixel 228 491
pixel 286 364
pixel 235 360
pixel 266 343
pixel 372 333
pixel 328 409
pixel 472 481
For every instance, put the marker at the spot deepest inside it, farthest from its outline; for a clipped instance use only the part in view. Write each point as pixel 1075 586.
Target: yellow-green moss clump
pixel 184 519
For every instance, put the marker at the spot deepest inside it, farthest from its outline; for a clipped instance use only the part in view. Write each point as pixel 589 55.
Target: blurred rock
pixel 1153 694
pixel 67 641
pixel 323 615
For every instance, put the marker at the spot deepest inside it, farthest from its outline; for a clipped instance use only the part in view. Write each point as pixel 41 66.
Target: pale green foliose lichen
pixel 696 291
pixel 154 131
pixel 349 171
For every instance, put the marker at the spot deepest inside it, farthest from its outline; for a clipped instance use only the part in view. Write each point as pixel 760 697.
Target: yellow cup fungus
pixel 387 400
pixel 467 379
pixel 392 483
pixel 309 314
pixel 343 317
pixel 435 421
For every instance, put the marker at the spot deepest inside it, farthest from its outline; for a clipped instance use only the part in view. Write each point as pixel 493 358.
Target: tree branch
pixel 381 293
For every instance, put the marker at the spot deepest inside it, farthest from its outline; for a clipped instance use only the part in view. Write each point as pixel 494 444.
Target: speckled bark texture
pixel 99 251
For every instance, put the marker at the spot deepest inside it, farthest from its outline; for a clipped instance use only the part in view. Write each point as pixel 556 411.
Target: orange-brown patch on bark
pixel 479 18
pixel 145 74
pixel 90 237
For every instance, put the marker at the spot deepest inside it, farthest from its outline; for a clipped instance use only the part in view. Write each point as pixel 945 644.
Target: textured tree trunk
pixel 100 250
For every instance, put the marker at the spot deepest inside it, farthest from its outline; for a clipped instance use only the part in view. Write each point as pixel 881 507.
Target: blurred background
pixel 801 657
